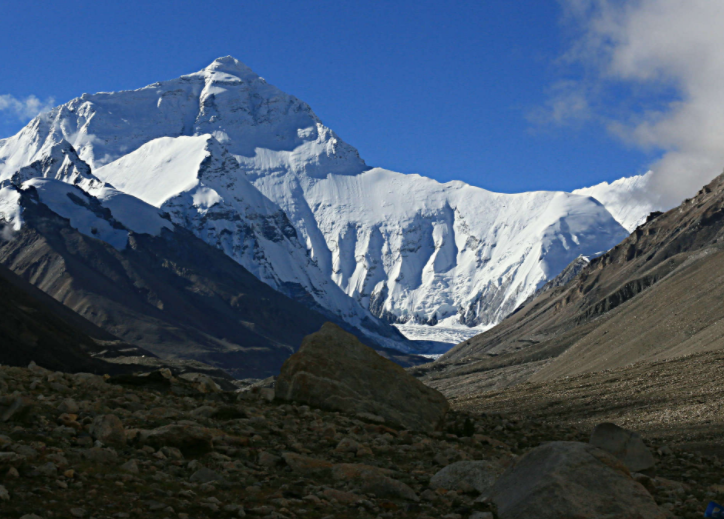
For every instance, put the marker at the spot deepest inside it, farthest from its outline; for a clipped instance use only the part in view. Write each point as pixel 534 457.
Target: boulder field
pixel 173 447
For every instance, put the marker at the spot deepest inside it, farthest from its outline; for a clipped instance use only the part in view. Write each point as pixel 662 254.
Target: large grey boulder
pixel 625 445
pixel 333 370
pixel 465 476
pixel 567 480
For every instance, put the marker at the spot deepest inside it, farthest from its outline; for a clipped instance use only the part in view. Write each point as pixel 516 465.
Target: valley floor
pixel 677 401
pixel 676 405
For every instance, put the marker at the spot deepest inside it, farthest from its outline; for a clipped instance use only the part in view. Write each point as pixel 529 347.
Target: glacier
pixel 253 171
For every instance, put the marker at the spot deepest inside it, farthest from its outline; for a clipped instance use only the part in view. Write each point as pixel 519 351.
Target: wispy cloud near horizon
pixel 24 109
pixel 652 73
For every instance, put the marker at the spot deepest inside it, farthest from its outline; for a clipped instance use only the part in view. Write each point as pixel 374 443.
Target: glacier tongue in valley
pixel 254 172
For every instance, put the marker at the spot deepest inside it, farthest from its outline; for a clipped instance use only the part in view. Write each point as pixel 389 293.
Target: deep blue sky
pixel 432 87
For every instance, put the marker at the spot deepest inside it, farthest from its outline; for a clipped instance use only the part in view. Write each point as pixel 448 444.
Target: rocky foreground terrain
pixel 157 445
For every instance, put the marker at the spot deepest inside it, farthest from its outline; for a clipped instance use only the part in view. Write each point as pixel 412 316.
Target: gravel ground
pixel 676 405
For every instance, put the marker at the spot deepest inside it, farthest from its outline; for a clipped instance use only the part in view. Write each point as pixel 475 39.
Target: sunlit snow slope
pixel 629 200
pixel 253 171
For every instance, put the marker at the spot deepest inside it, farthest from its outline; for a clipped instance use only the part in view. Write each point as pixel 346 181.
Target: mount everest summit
pixel 253 171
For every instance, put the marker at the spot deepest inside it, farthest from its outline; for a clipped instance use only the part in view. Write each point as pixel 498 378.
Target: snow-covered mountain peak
pixel 267 130
pixel 450 249
pixel 233 67
pixel 198 166
pixel 253 171
pixel 59 160
pixel 104 213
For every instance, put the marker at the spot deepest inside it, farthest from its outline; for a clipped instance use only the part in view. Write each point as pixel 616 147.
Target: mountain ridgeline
pixel 655 296
pixel 253 171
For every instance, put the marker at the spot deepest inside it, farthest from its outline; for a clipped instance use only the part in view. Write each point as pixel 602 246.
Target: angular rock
pixel 47 470
pixel 346 498
pixel 571 480
pixel 347 445
pixel 4 495
pixel 267 459
pixel 99 456
pixel 465 476
pixel 69 406
pixel 88 379
pixel 372 480
pixel 172 452
pixel 306 465
pixel 108 429
pixel 625 445
pixel 131 467
pixel 186 438
pixel 204 475
pixel 333 370
pixel 25 450
pixel 200 382
pixel 11 459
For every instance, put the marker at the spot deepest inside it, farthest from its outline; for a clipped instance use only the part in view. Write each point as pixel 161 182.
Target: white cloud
pixel 24 109
pixel 7 233
pixel 646 47
pixel 568 103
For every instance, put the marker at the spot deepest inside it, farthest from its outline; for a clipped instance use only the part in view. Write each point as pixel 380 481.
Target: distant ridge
pixel 657 295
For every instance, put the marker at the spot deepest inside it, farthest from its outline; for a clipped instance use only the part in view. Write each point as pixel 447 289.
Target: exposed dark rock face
pixel 33 326
pixel 173 295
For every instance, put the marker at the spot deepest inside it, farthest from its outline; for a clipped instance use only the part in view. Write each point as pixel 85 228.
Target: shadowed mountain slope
pixel 172 293
pixel 35 327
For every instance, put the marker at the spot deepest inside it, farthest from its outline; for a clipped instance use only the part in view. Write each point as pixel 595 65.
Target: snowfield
pixel 254 172
pixel 629 200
